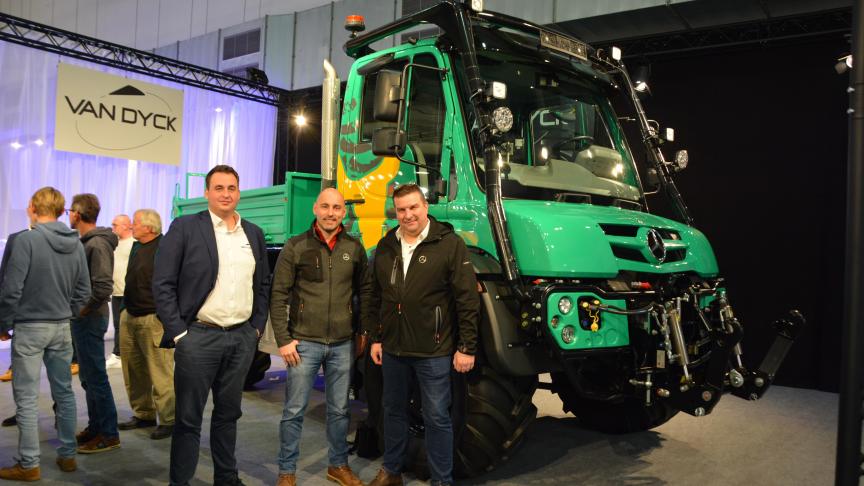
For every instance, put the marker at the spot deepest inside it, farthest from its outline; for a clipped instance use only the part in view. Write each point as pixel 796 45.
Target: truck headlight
pixel 565 305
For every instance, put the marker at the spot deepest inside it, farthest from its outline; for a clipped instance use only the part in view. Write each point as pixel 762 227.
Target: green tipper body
pixel 281 211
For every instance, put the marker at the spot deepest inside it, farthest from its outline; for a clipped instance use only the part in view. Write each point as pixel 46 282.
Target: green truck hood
pixel 556 239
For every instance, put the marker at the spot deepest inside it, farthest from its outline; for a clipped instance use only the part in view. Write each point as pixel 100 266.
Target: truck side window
pixel 425 120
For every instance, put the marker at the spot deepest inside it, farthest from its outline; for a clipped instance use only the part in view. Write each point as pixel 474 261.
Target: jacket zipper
pixel 329 295
pixel 437 324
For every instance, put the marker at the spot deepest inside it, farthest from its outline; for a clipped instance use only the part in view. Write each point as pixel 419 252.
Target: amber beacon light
pixel 355 24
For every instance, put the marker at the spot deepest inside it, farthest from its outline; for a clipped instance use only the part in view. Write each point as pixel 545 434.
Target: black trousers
pixel 116 300
pixel 209 359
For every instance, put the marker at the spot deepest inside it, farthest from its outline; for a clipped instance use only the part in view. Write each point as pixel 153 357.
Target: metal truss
pixel 65 43
pixel 758 32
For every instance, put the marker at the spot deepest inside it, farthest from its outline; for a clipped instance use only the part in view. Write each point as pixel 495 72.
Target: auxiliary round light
pixel 568 334
pixel 682 158
pixel 565 305
pixel 502 117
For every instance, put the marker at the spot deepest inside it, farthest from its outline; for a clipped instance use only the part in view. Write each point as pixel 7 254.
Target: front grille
pixel 619 230
pixel 631 231
pixel 625 253
pixel 676 255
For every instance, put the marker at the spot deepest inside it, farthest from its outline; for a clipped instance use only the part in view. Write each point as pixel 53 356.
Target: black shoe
pixel 10 421
pixel 162 432
pixel 136 423
pixel 235 481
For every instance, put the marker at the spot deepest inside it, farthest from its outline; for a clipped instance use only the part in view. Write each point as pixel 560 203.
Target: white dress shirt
pixel 230 301
pixel 121 263
pixel 408 248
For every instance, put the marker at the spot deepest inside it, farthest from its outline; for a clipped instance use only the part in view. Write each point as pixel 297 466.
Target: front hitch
pixel 751 385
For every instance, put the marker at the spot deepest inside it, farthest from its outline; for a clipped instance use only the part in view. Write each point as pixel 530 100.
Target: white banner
pixel 109 115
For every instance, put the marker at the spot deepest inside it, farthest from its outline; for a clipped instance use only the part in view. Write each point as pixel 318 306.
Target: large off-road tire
pixel 612 417
pixel 490 415
pixel 497 411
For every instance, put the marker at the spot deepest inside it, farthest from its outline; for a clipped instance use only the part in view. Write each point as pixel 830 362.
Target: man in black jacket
pixel 89 328
pixel 210 293
pixel 147 370
pixel 423 317
pixel 317 274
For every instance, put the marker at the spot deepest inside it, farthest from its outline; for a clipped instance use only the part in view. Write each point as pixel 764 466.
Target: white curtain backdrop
pixel 217 129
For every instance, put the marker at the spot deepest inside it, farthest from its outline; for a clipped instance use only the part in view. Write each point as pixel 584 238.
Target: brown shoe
pixel 67 464
pixel 18 473
pixel 84 436
pixel 344 476
pixel 384 478
pixel 287 480
pixel 99 444
pixel 6 376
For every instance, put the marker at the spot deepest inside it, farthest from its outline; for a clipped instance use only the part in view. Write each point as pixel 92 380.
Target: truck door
pixel 427 122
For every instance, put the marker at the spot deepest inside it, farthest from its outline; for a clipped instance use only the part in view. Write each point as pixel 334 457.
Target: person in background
pixel 7 251
pixel 122 227
pixel 89 327
pixel 148 370
pixel 45 284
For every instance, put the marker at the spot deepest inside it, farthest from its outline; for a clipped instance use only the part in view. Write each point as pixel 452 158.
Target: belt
pixel 210 325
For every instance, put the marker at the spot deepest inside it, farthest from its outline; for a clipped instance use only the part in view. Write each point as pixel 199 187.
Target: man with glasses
pixel 90 326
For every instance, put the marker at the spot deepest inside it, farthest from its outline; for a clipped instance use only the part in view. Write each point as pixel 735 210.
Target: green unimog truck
pixel 512 132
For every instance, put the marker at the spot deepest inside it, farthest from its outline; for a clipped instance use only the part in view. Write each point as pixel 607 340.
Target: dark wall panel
pixel 766 131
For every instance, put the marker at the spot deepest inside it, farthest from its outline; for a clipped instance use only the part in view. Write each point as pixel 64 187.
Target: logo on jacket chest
pixel 346 257
pixel 422 259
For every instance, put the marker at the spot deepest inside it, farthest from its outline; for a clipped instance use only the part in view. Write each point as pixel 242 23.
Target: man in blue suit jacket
pixel 209 287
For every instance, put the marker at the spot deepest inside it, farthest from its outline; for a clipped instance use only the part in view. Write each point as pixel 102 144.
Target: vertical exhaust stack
pixel 329 125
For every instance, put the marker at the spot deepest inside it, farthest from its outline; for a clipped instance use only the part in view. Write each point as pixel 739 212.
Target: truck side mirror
pixel 388 142
pixel 387 96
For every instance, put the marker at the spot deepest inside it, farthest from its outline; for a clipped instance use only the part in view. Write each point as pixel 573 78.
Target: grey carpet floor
pixel 787 438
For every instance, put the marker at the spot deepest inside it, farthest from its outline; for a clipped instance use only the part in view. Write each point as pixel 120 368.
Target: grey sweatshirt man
pixel 46 277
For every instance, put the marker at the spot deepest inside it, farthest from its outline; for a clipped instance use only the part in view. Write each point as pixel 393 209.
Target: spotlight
pixel 843 64
pixel 300 120
pixel 256 75
pixel 218 110
pixel 640 79
pixel 15 145
pixel 39 142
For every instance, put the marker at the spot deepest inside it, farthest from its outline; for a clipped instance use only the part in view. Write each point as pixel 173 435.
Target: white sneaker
pixel 113 362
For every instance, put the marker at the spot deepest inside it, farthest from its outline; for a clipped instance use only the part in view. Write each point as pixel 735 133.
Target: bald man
pixel 121 226
pixel 317 275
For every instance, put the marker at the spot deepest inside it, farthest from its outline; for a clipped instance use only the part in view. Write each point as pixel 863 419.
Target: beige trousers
pixel 148 370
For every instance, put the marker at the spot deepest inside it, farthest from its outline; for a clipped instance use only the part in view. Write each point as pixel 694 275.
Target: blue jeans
pixel 89 335
pixel 33 344
pixel 336 359
pixel 433 378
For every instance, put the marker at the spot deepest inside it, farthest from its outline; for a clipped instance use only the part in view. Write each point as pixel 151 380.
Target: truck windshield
pixel 566 143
